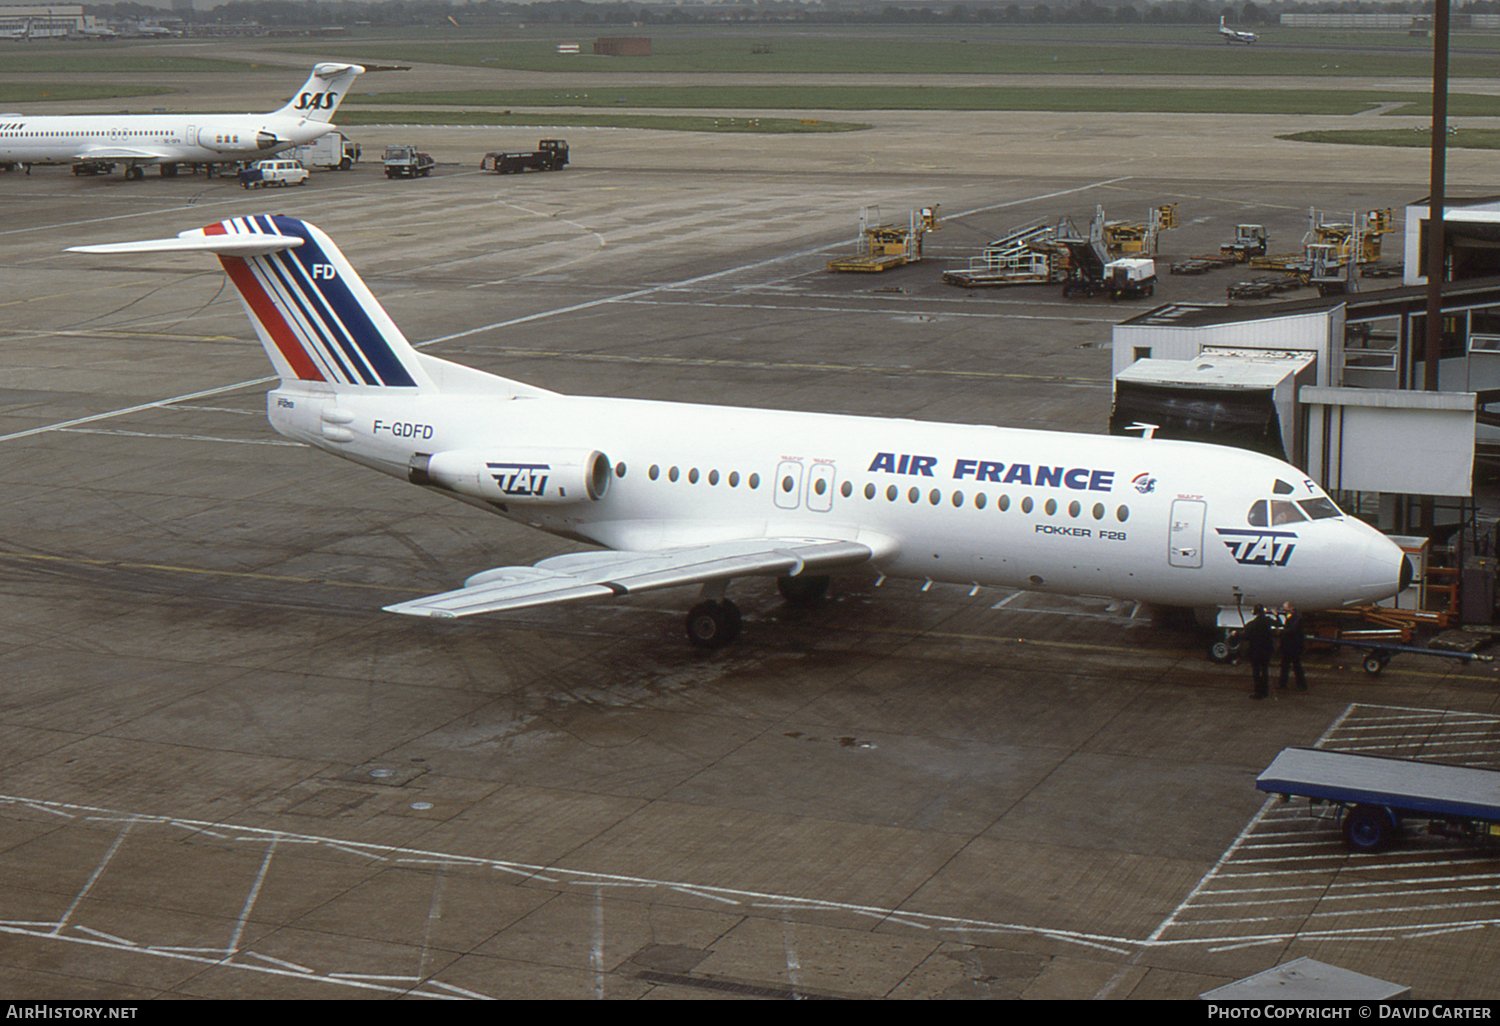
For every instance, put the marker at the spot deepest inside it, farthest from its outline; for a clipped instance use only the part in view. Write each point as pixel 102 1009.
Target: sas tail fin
pixel 321 94
pixel 316 318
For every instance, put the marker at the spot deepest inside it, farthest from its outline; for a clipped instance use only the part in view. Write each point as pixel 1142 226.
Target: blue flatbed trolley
pixel 1378 653
pixel 1379 793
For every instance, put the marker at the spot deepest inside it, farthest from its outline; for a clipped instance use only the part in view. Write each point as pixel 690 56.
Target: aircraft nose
pixel 1382 568
pixel 1388 565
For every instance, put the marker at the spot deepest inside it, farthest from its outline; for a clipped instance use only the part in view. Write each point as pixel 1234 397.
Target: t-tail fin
pixel 316 318
pixel 321 94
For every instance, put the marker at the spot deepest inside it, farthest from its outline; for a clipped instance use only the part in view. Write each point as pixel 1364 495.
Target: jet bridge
pixel 1244 398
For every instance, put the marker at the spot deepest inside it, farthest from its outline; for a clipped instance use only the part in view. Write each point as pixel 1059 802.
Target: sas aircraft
pixel 682 494
pixel 1232 36
pixel 97 142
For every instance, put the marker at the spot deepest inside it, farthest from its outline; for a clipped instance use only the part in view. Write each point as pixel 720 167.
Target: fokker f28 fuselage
pixel 683 493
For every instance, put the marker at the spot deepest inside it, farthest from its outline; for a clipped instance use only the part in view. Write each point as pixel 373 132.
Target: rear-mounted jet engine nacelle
pixel 527 476
pixel 225 138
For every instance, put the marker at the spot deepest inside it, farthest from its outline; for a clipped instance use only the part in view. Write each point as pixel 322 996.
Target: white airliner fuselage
pixel 170 139
pixel 1233 36
pixel 956 503
pixel 683 493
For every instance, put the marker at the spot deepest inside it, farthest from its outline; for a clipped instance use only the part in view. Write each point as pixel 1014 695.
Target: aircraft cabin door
pixel 820 480
pixel 192 135
pixel 788 484
pixel 1185 542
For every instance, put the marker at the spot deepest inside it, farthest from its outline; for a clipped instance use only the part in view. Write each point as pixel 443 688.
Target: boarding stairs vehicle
pixel 1087 258
pixel 1028 255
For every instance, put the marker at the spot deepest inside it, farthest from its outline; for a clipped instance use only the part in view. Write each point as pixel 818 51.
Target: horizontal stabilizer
pixel 197 242
pixel 584 575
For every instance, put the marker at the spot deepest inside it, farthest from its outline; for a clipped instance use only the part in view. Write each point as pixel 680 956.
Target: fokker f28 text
pixel 677 494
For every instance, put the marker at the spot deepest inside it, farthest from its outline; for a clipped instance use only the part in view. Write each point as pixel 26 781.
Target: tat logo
pixel 1259 548
pixel 521 478
pixel 316 101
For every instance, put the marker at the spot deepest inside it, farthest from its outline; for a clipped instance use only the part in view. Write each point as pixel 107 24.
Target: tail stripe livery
pixel 313 309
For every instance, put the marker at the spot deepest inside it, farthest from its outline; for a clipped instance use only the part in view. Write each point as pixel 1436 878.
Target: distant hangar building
pixel 622 46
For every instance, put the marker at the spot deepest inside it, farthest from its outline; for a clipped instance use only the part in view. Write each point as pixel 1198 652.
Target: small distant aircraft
pixel 97 142
pixel 1232 36
pixel 692 494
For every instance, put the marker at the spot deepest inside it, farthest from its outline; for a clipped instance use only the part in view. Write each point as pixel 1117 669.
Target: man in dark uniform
pixel 1293 641
pixel 1259 645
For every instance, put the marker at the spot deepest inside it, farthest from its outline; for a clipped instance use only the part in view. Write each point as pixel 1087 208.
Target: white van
pixel 273 172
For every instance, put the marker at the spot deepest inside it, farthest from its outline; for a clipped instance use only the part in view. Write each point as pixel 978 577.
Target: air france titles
pixel 1080 479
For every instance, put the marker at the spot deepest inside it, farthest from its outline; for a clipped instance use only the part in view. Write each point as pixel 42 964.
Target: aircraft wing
pixel 138 153
pixel 585 575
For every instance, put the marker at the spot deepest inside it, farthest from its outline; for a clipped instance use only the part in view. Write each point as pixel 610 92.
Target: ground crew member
pixel 1293 641
pixel 1259 647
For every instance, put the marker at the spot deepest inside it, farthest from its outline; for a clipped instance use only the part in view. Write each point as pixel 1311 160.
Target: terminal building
pixel 1334 385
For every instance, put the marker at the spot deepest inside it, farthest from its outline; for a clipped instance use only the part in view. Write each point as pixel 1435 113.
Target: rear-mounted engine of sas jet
pixel 529 476
pixel 223 138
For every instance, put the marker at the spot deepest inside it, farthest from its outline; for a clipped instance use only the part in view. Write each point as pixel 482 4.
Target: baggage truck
pixel 332 152
pixel 549 155
pixel 407 162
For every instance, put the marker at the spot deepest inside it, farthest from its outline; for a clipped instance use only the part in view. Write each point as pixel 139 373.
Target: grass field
pixel 108 59
pixel 53 92
pixel 1464 139
pixel 939 50
pixel 661 122
pixel 1062 99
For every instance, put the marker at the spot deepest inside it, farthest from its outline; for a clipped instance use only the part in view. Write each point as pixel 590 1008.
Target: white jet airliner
pixel 688 494
pixel 96 142
pixel 1232 36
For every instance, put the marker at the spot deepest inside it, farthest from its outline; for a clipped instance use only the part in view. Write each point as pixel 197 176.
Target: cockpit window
pixel 1282 488
pixel 1283 512
pixel 1258 515
pixel 1320 508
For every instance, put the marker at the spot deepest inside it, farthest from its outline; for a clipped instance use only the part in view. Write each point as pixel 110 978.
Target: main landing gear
pixel 715 621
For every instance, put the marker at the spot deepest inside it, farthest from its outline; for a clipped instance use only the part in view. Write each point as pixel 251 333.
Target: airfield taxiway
pixel 225 772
